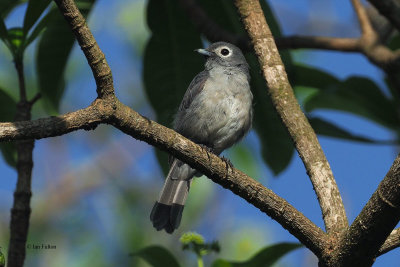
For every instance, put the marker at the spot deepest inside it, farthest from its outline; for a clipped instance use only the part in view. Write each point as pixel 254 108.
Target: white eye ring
pixel 224 51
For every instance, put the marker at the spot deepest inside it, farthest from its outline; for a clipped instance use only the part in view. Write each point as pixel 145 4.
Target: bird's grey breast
pixel 221 113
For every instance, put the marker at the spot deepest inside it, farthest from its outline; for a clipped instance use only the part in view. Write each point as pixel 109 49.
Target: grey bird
pixel 216 112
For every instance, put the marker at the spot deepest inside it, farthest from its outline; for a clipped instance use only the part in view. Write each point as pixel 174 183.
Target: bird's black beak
pixel 204 52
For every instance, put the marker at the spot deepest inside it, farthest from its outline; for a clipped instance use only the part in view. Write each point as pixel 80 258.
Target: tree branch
pixel 390 9
pixel 20 212
pixel 87 119
pixel 392 242
pixel 370 229
pixel 303 135
pixel 370 44
pixel 19 66
pixel 319 42
pixel 365 25
pixel 130 122
pixel 367 44
pixel 95 57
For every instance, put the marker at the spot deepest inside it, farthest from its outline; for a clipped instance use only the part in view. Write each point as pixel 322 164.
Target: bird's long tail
pixel 167 211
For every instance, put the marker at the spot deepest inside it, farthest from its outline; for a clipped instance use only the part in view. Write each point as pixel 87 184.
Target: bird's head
pixel 223 54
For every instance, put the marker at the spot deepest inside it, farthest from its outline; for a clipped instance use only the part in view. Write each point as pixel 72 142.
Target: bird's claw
pixel 227 162
pixel 205 147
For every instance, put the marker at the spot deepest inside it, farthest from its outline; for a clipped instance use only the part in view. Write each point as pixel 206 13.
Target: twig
pixel 19 66
pixel 303 135
pixel 20 212
pixel 392 242
pixel 35 99
pixel 319 42
pixel 365 24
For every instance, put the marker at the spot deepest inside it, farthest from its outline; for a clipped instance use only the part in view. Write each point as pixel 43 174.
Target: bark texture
pixel 21 210
pixel 299 128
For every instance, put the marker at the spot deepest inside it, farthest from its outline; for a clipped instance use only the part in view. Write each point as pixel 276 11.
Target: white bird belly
pixel 224 116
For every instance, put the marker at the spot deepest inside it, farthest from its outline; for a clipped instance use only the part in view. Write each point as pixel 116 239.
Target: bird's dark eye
pixel 224 52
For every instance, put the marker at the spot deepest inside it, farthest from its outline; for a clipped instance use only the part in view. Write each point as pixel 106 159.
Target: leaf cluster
pixel 158 256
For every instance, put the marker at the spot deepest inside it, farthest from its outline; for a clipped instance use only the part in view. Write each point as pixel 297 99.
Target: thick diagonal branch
pixel 303 135
pixel 363 242
pixel 141 128
pixel 220 172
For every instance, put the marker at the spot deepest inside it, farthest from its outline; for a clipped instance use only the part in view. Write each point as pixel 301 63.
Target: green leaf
pixel 33 12
pixel 264 258
pixel 16 39
pixel 359 96
pixel 52 55
pixel 195 242
pixel 4 33
pixel 2 259
pixel 311 77
pixel 277 147
pixel 169 61
pixel 394 43
pixel 9 152
pixel 157 256
pixel 307 81
pixel 244 159
pixel 7 113
pixel 7 107
pixel 40 27
pixel 326 128
pixel 191 237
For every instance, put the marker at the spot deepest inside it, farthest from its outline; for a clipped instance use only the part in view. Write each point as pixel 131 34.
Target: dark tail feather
pixel 166 217
pixel 167 212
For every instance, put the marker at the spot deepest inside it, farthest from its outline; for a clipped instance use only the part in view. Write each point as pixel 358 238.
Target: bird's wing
pixel 195 87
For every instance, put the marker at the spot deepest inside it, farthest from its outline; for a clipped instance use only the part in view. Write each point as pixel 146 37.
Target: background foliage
pixel 96 188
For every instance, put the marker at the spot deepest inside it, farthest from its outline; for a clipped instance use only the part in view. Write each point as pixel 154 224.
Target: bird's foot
pixel 227 162
pixel 209 149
